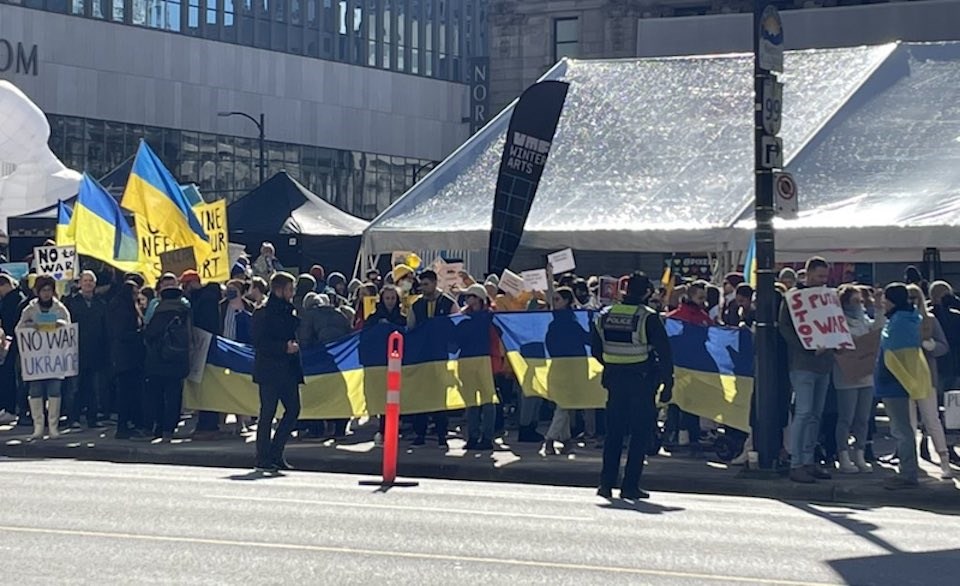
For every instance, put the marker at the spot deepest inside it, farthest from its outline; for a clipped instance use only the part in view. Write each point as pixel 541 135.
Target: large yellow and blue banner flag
pixel 161 206
pixel 551 356
pixel 62 235
pixel 446 366
pixel 99 229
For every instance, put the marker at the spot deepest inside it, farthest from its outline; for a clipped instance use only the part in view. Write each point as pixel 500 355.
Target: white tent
pixel 657 155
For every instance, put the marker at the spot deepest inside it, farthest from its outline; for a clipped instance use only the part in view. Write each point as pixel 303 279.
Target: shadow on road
pixel 644 507
pixel 928 568
pixel 255 475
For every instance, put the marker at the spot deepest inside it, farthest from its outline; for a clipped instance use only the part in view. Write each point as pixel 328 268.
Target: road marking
pixel 412 555
pixel 355 505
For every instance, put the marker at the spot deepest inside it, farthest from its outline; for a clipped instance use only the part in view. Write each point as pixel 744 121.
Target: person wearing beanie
pixel 306 283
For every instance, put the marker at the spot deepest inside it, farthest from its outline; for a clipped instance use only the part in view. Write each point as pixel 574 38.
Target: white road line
pixel 355 505
pixel 413 555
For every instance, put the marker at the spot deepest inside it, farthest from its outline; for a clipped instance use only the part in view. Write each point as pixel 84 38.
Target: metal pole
pixel 766 434
pixel 263 165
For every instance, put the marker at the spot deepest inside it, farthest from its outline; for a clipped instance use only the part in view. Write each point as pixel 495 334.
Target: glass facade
pixel 419 37
pixel 566 38
pixel 363 184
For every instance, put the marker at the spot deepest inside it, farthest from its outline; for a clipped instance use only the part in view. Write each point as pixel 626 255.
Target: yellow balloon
pixel 413 261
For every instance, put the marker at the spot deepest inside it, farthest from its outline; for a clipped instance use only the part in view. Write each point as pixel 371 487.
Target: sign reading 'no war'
pixel 57 261
pixel 48 354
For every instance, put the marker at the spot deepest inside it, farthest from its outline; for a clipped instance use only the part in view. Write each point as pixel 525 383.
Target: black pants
pixel 269 451
pixel 631 410
pixel 129 399
pixel 421 420
pixel 86 397
pixel 8 383
pixel 167 393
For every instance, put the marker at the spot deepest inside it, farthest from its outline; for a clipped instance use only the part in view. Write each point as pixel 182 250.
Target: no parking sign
pixel 785 189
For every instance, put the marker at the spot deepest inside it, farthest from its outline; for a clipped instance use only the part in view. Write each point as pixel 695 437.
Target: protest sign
pixel 178 260
pixel 369 306
pixel 47 354
pixel 535 280
pixel 151 244
pixel 57 261
pixel 199 347
pixel 17 270
pixel 215 268
pixel 857 364
pixel 562 261
pixel 511 283
pixel 818 319
pixel 608 290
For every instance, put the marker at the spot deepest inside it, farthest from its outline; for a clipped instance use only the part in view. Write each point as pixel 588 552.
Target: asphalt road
pixel 85 522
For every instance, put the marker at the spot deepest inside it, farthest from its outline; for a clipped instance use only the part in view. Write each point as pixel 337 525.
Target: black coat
pixel 170 307
pixel 382 314
pixel 91 319
pixel 125 333
pixel 205 303
pixel 11 306
pixel 274 325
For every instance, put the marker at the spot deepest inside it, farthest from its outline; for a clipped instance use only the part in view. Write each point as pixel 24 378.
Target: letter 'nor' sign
pixel 818 319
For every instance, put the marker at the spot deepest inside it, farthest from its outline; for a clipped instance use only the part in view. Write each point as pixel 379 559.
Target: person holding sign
pixel 810 378
pixel 47 315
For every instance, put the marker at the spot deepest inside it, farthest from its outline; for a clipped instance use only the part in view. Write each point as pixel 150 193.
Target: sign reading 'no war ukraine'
pixel 47 354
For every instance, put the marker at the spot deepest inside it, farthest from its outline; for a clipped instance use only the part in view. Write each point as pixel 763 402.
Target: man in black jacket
pixel 278 370
pixel 89 311
pixel 11 300
pixel 167 336
pixel 205 313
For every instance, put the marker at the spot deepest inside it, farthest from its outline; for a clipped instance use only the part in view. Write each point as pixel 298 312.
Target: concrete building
pixel 360 97
pixel 528 36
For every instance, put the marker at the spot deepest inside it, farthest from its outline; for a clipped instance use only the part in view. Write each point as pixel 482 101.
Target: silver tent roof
pixel 657 155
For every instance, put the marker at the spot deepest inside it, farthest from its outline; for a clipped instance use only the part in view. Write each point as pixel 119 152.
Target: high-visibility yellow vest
pixel 624 333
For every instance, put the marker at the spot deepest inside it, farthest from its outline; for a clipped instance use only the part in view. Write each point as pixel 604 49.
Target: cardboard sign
pixel 57 261
pixel 369 306
pixel 511 283
pixel 859 363
pixel 199 347
pixel 449 277
pixel 151 244
pixel 178 260
pixel 50 353
pixel 562 261
pixel 535 280
pixel 17 270
pixel 215 268
pixel 818 319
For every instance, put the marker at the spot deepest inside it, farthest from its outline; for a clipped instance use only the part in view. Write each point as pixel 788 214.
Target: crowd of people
pixel 134 345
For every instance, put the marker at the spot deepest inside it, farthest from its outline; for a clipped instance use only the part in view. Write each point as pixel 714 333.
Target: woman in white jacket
pixel 854 396
pixel 934 346
pixel 45 312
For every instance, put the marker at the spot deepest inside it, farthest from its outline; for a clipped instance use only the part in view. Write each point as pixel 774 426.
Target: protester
pixel 913 276
pixel 788 277
pixel 631 343
pixel 277 370
pixel 267 263
pixel 481 420
pixel 943 307
pixel 306 283
pixel 205 313
pixel 147 294
pixel 257 293
pixel 367 294
pixel 127 354
pixel 236 314
pixel 810 378
pixel 89 311
pixel 45 312
pixel 319 275
pixel 11 299
pixel 744 299
pixel 564 303
pixel 167 336
pixel 388 309
pixel 692 308
pixel 682 428
pixel 321 323
pixel 900 347
pixel 854 395
pixel 714 296
pixel 935 346
pixel 432 303
pixel 373 277
pixel 338 293
pixel 730 313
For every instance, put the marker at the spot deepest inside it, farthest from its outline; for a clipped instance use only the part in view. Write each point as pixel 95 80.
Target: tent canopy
pixel 282 206
pixel 657 155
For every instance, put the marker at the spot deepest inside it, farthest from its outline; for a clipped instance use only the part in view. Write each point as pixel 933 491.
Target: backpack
pixel 173 344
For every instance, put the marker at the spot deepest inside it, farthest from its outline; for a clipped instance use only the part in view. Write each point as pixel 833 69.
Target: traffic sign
pixel 772 100
pixel 771 39
pixel 785 190
pixel 771 152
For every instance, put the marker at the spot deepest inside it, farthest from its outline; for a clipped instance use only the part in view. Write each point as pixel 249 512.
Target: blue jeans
pixel 481 422
pixel 898 409
pixel 810 394
pixel 49 388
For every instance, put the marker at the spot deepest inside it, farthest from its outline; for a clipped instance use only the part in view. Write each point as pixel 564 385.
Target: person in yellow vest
pixel 630 341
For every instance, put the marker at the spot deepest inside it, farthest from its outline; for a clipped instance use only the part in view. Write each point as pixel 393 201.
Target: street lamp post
pixel 260 127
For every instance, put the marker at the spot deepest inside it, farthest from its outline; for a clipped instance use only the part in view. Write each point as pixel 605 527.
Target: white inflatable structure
pixel 31 176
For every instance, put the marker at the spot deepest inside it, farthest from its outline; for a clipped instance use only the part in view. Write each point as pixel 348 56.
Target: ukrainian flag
pixel 154 194
pixel 446 366
pixel 99 229
pixel 64 235
pixel 750 263
pixel 549 353
pixel 903 366
pixel 712 371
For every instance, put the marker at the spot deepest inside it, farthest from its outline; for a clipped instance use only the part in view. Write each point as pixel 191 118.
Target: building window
pixel 566 38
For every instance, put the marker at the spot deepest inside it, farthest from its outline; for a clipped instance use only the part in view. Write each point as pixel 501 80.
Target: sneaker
pixel 899 483
pixel 266 468
pixel 74 425
pixel 281 464
pixel 605 492
pixel 419 441
pixel 802 476
pixel 6 418
pixel 818 472
pixel 635 494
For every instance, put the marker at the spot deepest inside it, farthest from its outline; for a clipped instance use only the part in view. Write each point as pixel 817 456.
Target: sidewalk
pixel 510 462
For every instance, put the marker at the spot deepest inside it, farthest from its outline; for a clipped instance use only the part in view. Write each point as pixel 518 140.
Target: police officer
pixel 630 341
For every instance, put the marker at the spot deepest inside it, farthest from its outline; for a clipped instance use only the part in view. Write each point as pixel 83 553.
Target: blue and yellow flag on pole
pixel 64 236
pixel 155 196
pixel 750 263
pixel 99 230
